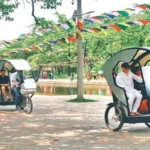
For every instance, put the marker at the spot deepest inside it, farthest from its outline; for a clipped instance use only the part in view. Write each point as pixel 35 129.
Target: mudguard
pixel 119 105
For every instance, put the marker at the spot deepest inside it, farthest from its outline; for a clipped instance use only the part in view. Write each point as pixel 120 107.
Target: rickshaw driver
pixel 125 80
pixel 5 86
pixel 17 80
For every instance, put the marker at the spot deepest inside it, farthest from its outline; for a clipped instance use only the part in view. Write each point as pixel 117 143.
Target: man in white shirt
pixel 125 80
pixel 17 79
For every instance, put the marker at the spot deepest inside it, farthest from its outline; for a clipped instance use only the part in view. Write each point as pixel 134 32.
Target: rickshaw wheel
pixel 147 124
pixel 114 118
pixel 27 104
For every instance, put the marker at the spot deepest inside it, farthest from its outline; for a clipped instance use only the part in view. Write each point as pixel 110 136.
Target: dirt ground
pixel 58 125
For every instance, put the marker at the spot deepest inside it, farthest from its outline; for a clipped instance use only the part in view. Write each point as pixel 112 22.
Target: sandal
pixel 137 113
pixel 132 114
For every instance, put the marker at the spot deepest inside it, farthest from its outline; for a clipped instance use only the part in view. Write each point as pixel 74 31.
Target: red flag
pixel 34 47
pixel 80 25
pixel 72 39
pixel 117 28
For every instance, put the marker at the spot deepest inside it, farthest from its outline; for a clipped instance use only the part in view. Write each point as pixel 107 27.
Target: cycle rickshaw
pixel 117 113
pixel 28 87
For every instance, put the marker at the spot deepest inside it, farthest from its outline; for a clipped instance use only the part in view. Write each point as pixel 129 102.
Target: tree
pixel 79 55
pixel 8 6
pixel 99 46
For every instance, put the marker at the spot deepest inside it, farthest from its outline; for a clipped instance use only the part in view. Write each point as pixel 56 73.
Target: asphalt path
pixel 59 125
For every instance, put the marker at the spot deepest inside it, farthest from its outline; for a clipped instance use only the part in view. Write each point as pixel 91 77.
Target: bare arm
pixel 4 84
pixel 138 79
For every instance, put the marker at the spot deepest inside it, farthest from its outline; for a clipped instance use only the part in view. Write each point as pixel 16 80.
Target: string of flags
pixel 66 40
pixel 126 13
pixel 73 39
pixel 70 38
pixel 23 36
pixel 71 23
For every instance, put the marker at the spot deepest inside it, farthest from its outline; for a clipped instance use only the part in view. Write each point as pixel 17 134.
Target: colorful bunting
pixel 80 25
pixel 144 22
pixel 35 47
pixel 94 30
pixel 123 26
pixel 72 39
pixel 62 41
pixel 143 7
pixel 97 18
pixel 131 9
pixel 71 23
pixel 79 34
pixel 27 49
pixel 65 25
pixel 118 29
pixel 6 43
pixel 130 23
pixel 53 41
pixel 89 20
pixel 148 5
pixel 124 13
pixel 112 15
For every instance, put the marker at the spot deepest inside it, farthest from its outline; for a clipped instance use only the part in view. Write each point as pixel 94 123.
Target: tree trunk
pixel 79 55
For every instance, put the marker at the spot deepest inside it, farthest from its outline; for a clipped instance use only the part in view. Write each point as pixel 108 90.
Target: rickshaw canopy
pixel 20 64
pixel 13 65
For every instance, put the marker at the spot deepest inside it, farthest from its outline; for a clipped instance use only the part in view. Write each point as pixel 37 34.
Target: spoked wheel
pixel 147 124
pixel 114 118
pixel 27 104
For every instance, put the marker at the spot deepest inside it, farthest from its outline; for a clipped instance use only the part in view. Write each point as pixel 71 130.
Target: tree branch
pixel 36 20
pixel 23 3
pixel 27 1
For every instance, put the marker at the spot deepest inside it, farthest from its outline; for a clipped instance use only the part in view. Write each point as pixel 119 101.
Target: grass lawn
pixel 81 100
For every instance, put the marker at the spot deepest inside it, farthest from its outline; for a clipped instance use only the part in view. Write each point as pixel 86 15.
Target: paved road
pixel 58 125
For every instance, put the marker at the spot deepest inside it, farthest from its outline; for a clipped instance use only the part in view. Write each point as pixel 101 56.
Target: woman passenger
pixel 140 87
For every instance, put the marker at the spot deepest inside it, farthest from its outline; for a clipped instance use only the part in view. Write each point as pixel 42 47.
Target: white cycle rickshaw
pixel 27 88
pixel 117 112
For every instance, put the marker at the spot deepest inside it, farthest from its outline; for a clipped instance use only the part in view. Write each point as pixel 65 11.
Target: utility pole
pixel 79 55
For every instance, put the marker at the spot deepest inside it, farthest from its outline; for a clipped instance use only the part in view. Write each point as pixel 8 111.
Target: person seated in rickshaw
pixel 17 80
pixel 5 85
pixel 140 87
pixel 125 80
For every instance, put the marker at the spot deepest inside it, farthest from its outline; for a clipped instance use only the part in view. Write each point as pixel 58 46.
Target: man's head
pixel 138 70
pixel 20 72
pixel 125 67
pixel 3 72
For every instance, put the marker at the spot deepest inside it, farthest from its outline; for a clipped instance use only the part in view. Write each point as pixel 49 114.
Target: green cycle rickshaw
pixel 117 112
pixel 27 88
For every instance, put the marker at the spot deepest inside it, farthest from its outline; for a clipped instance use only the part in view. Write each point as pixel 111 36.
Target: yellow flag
pixel 104 31
pixel 79 33
pixel 56 28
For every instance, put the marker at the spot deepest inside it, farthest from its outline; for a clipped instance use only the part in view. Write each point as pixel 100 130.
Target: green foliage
pixel 61 17
pixel 97 47
pixel 81 100
pixel 44 23
pixel 7 7
pixel 50 4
